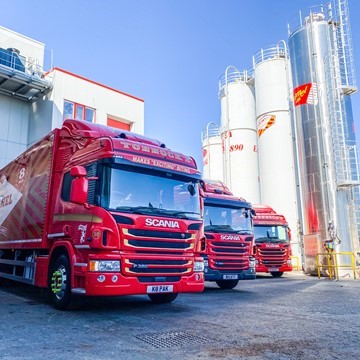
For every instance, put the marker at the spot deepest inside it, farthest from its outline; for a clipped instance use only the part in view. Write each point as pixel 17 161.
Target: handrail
pixel 233 75
pixel 210 132
pixel 297 262
pixel 332 264
pixel 278 51
pixel 11 58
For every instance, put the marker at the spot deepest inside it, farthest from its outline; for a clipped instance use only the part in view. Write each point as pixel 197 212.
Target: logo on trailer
pixel 9 197
pixel 162 223
pixel 3 231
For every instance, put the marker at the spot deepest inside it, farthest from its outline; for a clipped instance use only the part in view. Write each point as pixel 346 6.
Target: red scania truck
pixel 229 236
pixel 272 239
pixel 92 210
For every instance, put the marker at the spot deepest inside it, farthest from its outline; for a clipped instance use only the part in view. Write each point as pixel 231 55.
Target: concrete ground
pixel 293 317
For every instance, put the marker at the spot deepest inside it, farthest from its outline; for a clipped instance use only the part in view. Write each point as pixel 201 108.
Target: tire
pixel 60 284
pixel 277 274
pixel 227 284
pixel 162 298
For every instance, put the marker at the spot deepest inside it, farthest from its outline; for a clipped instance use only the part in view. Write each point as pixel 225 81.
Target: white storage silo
pixel 212 153
pixel 275 138
pixel 239 136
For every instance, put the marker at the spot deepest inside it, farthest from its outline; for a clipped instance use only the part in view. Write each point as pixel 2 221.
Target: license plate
pixel 230 277
pixel 159 289
pixel 273 269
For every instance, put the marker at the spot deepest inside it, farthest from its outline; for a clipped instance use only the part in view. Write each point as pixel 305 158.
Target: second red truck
pixel 229 236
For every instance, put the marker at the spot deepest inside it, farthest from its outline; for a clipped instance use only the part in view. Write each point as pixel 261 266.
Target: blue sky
pixel 168 52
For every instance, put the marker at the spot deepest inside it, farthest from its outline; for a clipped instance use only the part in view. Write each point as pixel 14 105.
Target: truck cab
pixel 98 211
pixel 229 236
pixel 272 240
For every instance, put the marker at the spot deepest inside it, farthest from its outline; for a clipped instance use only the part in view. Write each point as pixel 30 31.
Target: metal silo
pixel 323 79
pixel 212 153
pixel 275 135
pixel 239 136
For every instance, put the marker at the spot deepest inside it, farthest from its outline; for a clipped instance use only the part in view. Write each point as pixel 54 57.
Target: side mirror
pixel 191 189
pixel 79 186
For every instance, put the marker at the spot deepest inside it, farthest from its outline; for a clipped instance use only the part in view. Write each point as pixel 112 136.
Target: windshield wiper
pixel 220 228
pixel 181 214
pixel 243 232
pixel 137 209
pixel 154 210
pixel 262 240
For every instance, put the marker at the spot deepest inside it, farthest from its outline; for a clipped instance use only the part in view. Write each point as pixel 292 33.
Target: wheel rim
pixel 58 282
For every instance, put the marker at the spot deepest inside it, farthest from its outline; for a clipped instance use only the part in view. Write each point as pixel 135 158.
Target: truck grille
pixel 158 241
pixel 155 254
pixel 153 266
pixel 272 257
pixel 229 263
pixel 229 255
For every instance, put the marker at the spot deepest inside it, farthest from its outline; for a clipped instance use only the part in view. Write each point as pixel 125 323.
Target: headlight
pixel 252 263
pixel 104 265
pixel 199 266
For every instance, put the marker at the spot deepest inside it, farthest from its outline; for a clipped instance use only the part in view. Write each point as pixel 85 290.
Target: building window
pixel 73 110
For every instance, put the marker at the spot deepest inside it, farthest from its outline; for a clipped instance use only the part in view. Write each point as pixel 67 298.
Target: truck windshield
pixel 271 233
pixel 224 219
pixel 136 190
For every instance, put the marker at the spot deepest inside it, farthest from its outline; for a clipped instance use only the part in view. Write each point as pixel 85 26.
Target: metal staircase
pixel 341 83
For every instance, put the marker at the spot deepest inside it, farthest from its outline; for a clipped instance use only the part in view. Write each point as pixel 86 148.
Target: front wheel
pixel 60 284
pixel 277 274
pixel 162 298
pixel 227 284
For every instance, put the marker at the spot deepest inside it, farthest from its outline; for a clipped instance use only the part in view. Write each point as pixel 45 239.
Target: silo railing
pixel 233 75
pixel 210 132
pixel 278 51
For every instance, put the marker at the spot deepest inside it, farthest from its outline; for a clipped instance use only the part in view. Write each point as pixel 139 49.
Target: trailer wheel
pixel 60 284
pixel 277 274
pixel 227 284
pixel 162 298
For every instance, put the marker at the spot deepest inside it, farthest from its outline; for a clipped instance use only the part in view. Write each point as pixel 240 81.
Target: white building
pixel 33 102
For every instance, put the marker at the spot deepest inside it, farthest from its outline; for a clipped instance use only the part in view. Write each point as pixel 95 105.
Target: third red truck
pixel 272 239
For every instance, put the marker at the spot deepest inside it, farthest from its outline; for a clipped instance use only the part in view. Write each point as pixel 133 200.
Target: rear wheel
pixel 60 284
pixel 277 274
pixel 162 298
pixel 227 284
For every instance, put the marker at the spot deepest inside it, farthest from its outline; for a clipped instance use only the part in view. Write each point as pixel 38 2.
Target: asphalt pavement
pixel 293 317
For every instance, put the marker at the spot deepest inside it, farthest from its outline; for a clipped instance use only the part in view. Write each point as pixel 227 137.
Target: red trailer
pixel 92 210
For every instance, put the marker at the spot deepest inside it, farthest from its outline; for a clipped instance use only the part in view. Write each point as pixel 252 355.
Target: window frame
pixel 84 111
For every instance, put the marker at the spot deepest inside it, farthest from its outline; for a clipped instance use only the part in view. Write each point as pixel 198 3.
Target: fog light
pixel 104 265
pixel 101 278
pixel 114 278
